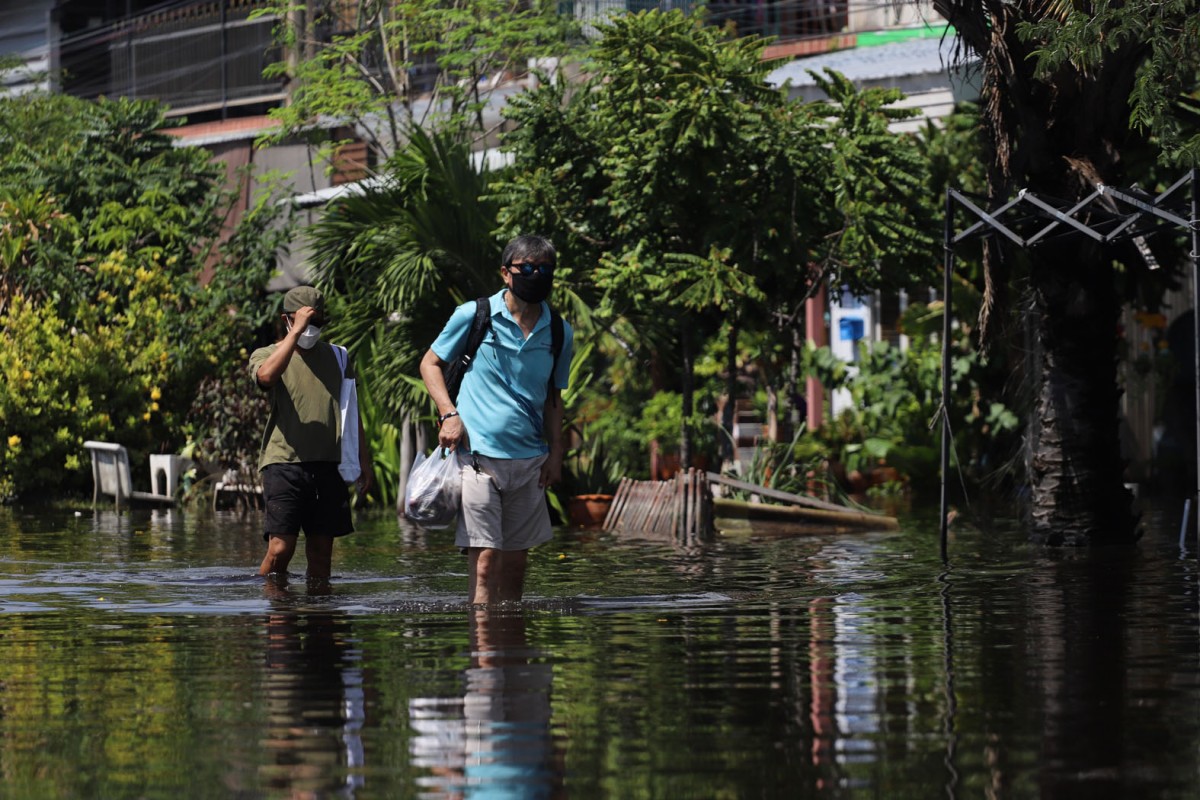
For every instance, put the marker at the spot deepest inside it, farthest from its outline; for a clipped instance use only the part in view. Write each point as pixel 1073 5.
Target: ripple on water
pixel 773 666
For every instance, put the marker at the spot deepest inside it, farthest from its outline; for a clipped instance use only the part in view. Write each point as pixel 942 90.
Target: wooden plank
pixel 776 494
pixel 661 494
pixel 805 516
pixel 641 511
pixel 679 511
pixel 693 505
pixel 626 503
pixel 670 507
pixel 611 520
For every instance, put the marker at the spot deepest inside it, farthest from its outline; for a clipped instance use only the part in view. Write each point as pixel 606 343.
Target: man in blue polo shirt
pixel 507 424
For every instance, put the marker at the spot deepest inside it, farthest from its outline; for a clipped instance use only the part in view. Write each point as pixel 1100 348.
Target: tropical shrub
pixel 662 421
pixel 895 399
pixel 63 385
pixel 227 416
pixel 105 327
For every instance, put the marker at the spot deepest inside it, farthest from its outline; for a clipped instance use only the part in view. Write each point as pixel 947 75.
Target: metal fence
pixel 786 19
pixel 196 57
pixel 210 55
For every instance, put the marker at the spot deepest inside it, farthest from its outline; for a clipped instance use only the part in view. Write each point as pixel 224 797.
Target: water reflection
pixel 140 658
pixel 314 701
pixel 495 739
pixel 1077 605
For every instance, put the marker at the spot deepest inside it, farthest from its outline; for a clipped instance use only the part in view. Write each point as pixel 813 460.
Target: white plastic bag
pixel 350 468
pixel 434 490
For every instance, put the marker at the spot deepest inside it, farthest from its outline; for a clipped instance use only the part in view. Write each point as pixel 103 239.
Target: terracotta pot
pixel 664 466
pixel 588 510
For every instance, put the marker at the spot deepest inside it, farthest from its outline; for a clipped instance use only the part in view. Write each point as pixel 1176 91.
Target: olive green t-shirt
pixel 304 423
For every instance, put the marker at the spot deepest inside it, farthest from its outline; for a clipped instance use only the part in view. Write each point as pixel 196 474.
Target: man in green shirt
pixel 302 448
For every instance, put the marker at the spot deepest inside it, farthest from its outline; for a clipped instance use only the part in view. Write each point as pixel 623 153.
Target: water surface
pixel 141 658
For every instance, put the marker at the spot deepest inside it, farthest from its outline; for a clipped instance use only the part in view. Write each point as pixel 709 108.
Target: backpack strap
pixel 478 327
pixel 454 371
pixel 343 357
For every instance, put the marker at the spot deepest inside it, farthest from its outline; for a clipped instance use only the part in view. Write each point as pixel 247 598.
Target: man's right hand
pixel 270 370
pixel 451 433
pixel 300 320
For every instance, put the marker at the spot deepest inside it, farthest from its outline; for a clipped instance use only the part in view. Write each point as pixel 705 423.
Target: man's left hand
pixel 551 472
pixel 366 481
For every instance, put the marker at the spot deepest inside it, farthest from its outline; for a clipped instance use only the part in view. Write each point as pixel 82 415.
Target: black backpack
pixel 454 371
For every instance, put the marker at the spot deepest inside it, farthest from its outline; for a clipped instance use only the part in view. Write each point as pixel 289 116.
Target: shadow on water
pixel 141 657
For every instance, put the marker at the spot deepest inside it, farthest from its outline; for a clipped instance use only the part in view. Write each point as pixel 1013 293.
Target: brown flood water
pixel 141 658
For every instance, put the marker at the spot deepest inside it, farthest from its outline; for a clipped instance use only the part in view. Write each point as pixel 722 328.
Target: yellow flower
pixel 26 374
pixel 146 416
pixel 156 393
pixel 14 441
pixel 1153 321
pixel 154 406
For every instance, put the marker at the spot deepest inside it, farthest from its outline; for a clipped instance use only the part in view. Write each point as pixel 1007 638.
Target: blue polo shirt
pixel 504 390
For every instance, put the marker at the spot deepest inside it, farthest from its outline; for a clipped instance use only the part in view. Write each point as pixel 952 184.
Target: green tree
pixel 1076 95
pixel 399 258
pixel 700 193
pixel 105 328
pixel 361 63
pixel 396 260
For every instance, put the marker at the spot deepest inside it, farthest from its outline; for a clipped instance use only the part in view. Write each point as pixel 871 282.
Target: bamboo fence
pixel 680 506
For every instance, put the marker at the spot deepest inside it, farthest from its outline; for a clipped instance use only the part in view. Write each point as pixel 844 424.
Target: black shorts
pixel 310 496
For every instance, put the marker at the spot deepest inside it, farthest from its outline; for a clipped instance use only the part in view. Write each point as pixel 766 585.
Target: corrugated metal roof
pixel 863 65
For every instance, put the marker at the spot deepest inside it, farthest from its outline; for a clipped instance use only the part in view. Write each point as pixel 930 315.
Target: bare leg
pixel 280 549
pixel 511 585
pixel 486 565
pixel 319 551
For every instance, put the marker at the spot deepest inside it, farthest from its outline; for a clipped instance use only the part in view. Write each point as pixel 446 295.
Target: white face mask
pixel 311 335
pixel 308 339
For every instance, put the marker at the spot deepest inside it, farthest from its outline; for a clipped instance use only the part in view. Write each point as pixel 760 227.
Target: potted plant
pixel 589 480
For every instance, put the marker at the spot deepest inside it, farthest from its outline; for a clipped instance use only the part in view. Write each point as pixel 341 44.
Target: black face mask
pixel 532 288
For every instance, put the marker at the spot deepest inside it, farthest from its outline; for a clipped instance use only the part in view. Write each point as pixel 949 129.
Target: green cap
pixel 302 296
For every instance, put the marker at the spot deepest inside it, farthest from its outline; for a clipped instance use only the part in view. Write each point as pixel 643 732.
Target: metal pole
pixel 1195 221
pixel 224 60
pixel 948 269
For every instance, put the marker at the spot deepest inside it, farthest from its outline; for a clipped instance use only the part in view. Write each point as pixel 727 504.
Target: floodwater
pixel 141 658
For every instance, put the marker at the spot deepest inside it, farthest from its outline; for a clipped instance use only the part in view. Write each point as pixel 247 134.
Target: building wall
pixel 26 31
pixel 876 16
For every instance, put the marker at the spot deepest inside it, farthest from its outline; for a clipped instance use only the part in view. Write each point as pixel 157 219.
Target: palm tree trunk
pixel 1078 496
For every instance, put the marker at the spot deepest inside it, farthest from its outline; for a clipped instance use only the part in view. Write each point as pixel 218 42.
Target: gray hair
pixel 529 248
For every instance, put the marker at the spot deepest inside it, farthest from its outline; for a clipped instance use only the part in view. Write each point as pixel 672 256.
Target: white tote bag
pixel 348 411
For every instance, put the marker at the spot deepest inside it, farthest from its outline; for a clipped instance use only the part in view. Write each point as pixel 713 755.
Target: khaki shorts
pixel 502 505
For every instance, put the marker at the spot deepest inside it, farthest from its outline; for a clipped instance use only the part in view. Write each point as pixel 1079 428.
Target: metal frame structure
pixel 1106 215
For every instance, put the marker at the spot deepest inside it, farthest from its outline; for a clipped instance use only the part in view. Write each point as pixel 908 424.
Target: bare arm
pixel 270 371
pixel 450 432
pixel 552 416
pixel 367 479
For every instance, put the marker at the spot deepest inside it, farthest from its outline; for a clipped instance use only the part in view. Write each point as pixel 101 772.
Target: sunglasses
pixel 529 269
